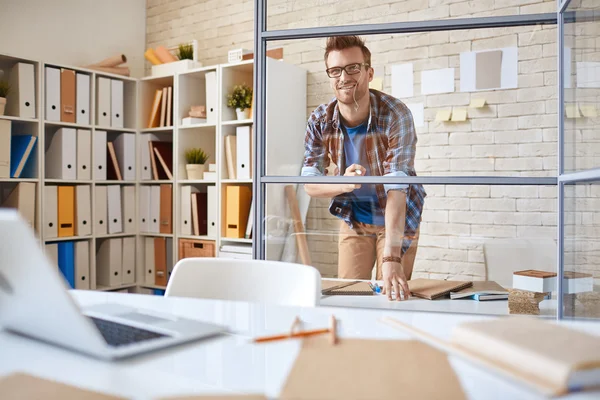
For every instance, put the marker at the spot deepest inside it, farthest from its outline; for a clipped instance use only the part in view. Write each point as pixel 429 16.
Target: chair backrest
pixel 259 281
pixel 505 256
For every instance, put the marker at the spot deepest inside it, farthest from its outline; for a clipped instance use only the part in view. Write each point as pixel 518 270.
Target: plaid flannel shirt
pixel 390 145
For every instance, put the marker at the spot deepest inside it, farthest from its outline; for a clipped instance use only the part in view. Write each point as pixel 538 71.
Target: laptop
pixel 34 302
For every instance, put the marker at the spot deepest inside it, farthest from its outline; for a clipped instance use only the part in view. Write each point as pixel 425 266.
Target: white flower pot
pixel 242 114
pixel 2 105
pixel 195 171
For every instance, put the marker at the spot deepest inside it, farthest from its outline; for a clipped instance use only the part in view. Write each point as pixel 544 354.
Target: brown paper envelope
pixel 24 386
pixel 432 289
pixel 487 69
pixel 361 369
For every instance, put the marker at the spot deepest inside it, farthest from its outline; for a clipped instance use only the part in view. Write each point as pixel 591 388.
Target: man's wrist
pixel 393 251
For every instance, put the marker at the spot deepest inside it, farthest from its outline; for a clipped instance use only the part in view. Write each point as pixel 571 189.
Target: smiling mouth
pixel 346 87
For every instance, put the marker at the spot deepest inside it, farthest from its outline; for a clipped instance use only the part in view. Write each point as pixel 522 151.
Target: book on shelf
pixel 163 107
pixel 230 155
pixel 163 164
pixel 250 223
pixel 165 150
pixel 113 171
pixel 21 149
pixel 154 119
pixel 187 121
pixel 169 121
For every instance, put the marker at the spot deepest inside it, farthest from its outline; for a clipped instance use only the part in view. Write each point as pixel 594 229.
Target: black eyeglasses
pixel 351 69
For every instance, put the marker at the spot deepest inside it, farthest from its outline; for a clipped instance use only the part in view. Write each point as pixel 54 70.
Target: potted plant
pixel 195 158
pixel 4 90
pixel 185 52
pixel 241 100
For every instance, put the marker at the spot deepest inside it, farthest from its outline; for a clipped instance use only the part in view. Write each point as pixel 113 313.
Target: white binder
pixel 50 210
pixel 52 94
pixel 128 204
pixel 84 154
pixel 211 205
pixel 101 211
pixel 149 278
pixel 100 155
pixel 144 208
pixel 125 151
pixel 103 102
pixel 146 165
pixel 116 104
pixel 109 263
pixel 83 207
pixel 128 267
pixel 82 264
pixel 154 219
pixel 20 102
pixel 243 167
pixel 51 251
pixel 211 97
pixel 186 209
pixel 61 156
pixel 83 99
pixel 115 214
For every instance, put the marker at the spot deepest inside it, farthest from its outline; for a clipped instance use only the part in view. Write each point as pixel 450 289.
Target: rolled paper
pixel 164 55
pixel 150 55
pixel 113 70
pixel 111 61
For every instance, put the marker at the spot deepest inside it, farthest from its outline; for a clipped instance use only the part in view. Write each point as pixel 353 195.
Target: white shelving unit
pixel 189 88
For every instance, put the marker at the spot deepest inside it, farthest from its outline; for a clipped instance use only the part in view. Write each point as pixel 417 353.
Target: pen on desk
pixel 293 335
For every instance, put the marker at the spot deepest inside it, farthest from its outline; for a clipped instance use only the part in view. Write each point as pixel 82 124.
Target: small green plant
pixel 241 97
pixel 4 88
pixel 185 52
pixel 196 156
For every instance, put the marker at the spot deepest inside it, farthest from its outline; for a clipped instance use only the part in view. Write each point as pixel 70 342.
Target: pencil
pixel 289 336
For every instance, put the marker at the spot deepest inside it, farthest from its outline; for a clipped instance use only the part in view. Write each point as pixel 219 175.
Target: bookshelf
pixel 188 89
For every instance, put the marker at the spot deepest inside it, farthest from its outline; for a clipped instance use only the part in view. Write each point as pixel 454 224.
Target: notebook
pixel 432 289
pixel 482 289
pixel 342 288
pixel 24 386
pixel 361 369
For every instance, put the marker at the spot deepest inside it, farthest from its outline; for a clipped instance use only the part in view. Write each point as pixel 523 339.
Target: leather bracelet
pixel 391 259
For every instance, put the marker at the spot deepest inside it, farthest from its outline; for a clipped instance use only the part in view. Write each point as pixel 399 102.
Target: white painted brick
pixel 542 205
pixel 514 191
pixel 451 99
pixel 541 36
pixel 510 3
pixel 429 265
pixel 495 150
pixel 548 192
pixel 520 218
pixel 497 124
pixel 536 232
pixel 441 203
pixel 431 139
pixel 432 165
pixel 538 65
pixel 503 204
pixel 531 80
pixel 468 243
pixel 530 52
pixel 476 256
pixel 442 229
pixel 453 127
pixel 472 165
pixel 449 49
pixel 435 190
pixel 432 215
pixel 474 217
pixel 550 135
pixel 432 241
pixel 462 138
pixel 519 109
pixel 537 149
pixel 547 7
pixel 535 94
pixel 494 231
pixel 498 96
pixel 549 219
pixel 497 42
pixel 550 163
pixel 483 112
pixel 552 107
pixel 446 152
pixel 468 191
pixel 470 7
pixel 519 164
pixel 537 121
pixel 409 54
pixel 438 12
pixel 441 254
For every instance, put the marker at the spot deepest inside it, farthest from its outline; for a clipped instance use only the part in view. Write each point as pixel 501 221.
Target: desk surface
pixel 231 363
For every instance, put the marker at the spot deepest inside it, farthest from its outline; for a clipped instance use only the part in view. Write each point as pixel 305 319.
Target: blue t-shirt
pixel 365 204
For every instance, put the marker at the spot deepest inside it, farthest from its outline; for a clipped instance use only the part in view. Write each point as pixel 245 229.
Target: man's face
pixel 349 87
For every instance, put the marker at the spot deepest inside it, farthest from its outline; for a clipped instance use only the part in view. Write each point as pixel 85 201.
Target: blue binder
pixel 21 150
pixel 66 261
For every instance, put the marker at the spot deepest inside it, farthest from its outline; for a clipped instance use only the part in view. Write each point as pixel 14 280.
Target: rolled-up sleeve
pixel 315 153
pixel 401 148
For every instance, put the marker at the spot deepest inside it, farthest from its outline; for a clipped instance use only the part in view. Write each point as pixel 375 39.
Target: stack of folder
pixel 115 262
pixel 158 260
pixel 67 211
pixel 198 211
pixel 22 198
pixel 162 108
pixel 238 153
pixel 21 101
pixel 16 153
pixel 115 209
pixel 69 155
pixel 156 208
pixel 73 260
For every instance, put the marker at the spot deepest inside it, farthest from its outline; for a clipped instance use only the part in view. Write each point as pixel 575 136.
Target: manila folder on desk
pixel 24 386
pixel 357 369
pixel 432 289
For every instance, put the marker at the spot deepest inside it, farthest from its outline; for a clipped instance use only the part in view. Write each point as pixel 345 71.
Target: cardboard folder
pixel 67 95
pixel 238 200
pixel 160 261
pixel 52 94
pixel 66 211
pixel 21 100
pixel 432 289
pixel 109 262
pixel 166 208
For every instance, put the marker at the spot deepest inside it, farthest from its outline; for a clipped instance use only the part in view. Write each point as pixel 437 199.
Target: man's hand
pixel 353 171
pixel 393 277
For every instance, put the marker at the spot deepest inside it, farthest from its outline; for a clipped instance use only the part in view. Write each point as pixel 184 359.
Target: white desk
pixel 230 363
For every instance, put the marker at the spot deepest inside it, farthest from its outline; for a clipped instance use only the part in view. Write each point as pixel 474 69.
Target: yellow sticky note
pixel 477 103
pixel 572 111
pixel 376 83
pixel 589 111
pixel 443 115
pixel 459 114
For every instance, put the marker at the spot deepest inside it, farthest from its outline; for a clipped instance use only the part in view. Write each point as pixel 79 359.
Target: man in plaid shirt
pixel 366 132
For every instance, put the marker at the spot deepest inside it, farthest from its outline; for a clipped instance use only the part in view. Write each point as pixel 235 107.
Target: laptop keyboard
pixel 117 334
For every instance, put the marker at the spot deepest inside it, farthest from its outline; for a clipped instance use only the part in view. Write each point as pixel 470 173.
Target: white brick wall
pixel 514 135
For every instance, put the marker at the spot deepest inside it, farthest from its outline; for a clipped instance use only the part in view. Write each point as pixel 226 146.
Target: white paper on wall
pixel 402 81
pixel 437 81
pixel 418 112
pixel 508 70
pixel 588 74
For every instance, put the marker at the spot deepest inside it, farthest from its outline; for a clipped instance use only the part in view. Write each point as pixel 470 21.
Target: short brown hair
pixel 345 42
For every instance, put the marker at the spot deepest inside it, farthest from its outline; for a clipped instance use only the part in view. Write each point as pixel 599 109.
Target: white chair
pixel 259 281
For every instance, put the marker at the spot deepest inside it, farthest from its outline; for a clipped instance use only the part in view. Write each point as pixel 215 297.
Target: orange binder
pixel 160 261
pixel 67 95
pixel 66 211
pixel 166 208
pixel 238 200
pixel 154 119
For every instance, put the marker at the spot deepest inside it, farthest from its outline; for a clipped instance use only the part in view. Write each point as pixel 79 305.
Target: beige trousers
pixel 361 246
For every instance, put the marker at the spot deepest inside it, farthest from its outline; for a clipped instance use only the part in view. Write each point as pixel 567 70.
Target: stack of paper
pixel 481 290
